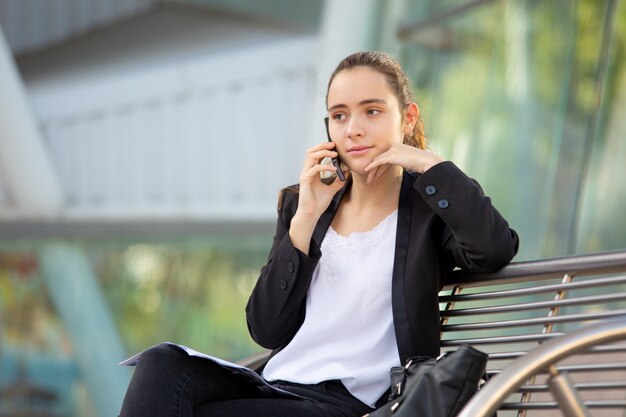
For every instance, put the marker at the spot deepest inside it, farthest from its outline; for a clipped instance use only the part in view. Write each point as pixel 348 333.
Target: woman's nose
pixel 354 128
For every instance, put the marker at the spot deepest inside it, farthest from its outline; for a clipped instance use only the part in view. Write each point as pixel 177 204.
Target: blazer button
pixel 290 266
pixel 430 190
pixel 283 284
pixel 442 203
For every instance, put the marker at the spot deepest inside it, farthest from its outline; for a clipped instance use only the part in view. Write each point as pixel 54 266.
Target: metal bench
pixel 526 304
pixel 545 357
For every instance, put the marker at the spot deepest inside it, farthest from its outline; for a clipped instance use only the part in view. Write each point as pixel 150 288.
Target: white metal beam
pixel 25 167
pixel 79 302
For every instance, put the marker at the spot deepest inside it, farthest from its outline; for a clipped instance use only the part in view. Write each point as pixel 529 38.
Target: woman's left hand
pixel 406 156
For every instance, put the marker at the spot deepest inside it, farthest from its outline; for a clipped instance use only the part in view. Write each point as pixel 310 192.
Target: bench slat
pixel 552 405
pixel 532 321
pixel 593 283
pixel 585 386
pixel 593 299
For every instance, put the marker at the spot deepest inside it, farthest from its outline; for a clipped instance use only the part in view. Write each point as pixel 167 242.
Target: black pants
pixel 169 383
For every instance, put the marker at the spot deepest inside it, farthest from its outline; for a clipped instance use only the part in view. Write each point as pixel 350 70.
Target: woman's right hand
pixel 314 195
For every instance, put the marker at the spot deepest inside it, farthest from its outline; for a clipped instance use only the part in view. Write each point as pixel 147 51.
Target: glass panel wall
pixel 528 97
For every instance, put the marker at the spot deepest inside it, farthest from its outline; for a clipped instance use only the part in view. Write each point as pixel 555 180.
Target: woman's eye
pixel 372 112
pixel 339 116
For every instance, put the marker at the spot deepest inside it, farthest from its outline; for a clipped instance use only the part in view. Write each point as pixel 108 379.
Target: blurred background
pixel 143 142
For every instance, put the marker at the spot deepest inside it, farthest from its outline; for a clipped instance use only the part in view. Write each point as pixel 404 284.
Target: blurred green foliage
pixel 193 295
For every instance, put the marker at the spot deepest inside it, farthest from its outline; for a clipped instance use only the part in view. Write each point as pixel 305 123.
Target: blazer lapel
pixel 398 297
pixel 327 217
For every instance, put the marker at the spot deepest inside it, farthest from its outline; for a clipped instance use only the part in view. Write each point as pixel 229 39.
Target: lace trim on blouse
pixel 339 252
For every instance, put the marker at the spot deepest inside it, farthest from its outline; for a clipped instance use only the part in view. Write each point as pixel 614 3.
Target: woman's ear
pixel 411 115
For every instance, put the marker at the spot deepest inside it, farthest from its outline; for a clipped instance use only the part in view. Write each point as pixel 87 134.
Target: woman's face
pixel 364 117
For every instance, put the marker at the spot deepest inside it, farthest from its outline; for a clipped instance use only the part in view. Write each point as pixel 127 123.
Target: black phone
pixel 336 160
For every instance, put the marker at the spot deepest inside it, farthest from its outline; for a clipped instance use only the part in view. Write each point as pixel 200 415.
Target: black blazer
pixel 444 221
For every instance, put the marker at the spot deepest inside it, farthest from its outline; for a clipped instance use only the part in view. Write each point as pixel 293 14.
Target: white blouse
pixel 348 331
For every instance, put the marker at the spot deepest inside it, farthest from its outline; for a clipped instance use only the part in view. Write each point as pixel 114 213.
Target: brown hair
pixel 396 79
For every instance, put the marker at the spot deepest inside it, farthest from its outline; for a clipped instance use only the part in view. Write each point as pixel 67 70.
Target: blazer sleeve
pixel 476 237
pixel 276 307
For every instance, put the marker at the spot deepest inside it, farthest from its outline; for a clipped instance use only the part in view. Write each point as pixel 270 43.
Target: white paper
pixel 132 361
pixel 237 369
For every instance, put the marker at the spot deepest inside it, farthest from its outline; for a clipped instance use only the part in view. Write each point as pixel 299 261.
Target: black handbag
pixel 434 387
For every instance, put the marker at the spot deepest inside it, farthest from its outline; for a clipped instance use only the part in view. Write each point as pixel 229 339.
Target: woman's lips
pixel 359 150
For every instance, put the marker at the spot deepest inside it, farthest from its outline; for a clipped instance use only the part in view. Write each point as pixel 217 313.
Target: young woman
pixel 350 286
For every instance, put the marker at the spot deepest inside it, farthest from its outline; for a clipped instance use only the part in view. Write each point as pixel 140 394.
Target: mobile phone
pixel 336 161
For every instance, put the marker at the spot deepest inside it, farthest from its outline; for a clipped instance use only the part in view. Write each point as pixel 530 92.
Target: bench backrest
pixel 508 313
